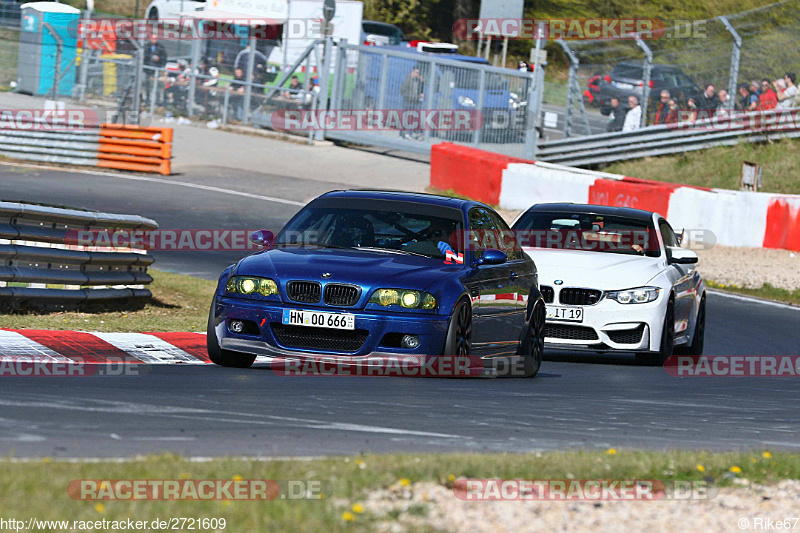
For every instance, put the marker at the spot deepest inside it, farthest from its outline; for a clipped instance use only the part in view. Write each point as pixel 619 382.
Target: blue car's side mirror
pixel 492 257
pixel 262 237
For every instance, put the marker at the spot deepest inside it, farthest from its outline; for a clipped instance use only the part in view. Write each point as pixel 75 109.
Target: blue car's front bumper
pixel 430 328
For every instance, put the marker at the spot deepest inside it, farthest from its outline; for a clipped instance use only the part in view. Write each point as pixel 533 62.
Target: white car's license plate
pixel 319 319
pixel 566 314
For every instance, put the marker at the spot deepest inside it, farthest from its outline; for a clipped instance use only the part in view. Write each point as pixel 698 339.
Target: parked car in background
pixel 381 34
pixel 626 79
pixel 172 9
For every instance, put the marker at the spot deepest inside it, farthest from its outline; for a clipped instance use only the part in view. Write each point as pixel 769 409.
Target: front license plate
pixel 318 319
pixel 566 314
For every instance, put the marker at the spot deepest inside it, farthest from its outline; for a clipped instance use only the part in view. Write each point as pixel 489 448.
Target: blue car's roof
pixel 418 197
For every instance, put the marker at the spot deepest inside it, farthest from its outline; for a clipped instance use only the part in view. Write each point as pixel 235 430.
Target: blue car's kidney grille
pixel 324 339
pixel 345 295
pixel 307 292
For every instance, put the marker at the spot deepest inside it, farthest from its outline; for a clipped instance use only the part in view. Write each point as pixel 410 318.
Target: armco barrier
pixel 142 149
pixel 736 218
pixel 35 255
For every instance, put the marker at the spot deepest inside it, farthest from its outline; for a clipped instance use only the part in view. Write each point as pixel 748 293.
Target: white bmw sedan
pixel 614 279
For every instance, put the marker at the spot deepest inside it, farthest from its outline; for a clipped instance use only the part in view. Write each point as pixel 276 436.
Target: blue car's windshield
pixel 397 231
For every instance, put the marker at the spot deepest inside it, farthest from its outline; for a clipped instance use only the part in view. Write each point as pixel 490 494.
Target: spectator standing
pixel 722 109
pixel 707 103
pixel 767 99
pixel 616 114
pixel 155 58
pixel 790 93
pixel 236 100
pixel 633 119
pixel 691 112
pixel 755 90
pixel 242 58
pixel 746 98
pixel 413 91
pixel 662 109
pixel 672 113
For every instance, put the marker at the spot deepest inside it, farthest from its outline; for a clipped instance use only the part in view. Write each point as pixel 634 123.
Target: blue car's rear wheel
pixel 459 332
pixel 222 357
pixel 532 348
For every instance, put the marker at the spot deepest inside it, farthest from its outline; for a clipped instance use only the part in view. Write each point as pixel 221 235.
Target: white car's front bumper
pixel 609 325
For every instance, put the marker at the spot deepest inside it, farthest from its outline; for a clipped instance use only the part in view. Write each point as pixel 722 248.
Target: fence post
pixel 535 95
pixel 85 55
pixel 137 83
pixel 648 64
pixel 382 83
pixel 427 98
pixel 59 46
pixel 574 63
pixel 325 81
pixel 735 56
pixel 340 74
pixel 248 78
pixel 476 135
pixel 195 61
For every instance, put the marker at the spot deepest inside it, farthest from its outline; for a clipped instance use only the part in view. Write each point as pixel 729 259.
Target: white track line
pixel 755 300
pixel 163 181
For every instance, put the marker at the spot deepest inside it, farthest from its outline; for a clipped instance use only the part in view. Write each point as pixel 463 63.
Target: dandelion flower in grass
pixel 405 482
pixel 100 508
pixel 357 508
pixel 451 477
pixel 766 455
pixel 237 477
pixel 184 475
pixel 611 451
pixel 735 469
pixel 700 468
pixel 347 516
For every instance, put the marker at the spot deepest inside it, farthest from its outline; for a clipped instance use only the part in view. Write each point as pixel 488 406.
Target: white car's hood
pixel 595 270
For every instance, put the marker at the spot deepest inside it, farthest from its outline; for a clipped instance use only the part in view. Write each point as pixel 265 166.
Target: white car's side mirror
pixel 680 256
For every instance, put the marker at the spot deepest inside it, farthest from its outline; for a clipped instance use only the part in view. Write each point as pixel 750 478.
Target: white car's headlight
pixel 640 295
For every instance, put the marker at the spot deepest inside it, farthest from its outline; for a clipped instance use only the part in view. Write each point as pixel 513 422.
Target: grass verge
pixel 179 303
pixel 721 167
pixel 40 487
pixel 766 291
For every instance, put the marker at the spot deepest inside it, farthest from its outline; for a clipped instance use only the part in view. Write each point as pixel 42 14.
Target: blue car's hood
pixel 370 270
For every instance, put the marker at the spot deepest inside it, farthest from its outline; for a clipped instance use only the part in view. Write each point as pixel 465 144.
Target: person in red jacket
pixel 768 99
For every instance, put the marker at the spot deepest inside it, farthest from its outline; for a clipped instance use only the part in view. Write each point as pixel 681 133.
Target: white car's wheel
pixel 152 14
pixel 667 339
pixel 698 339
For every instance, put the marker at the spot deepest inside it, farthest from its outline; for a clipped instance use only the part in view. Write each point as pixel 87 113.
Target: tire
pixel 152 14
pixel 459 332
pixel 698 339
pixel 667 340
pixel 222 357
pixel 532 349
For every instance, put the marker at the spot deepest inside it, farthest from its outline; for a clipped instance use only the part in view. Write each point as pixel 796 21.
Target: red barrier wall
pixel 639 194
pixel 468 171
pixel 783 225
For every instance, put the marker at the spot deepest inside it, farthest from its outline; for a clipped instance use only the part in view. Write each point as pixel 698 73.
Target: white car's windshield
pixel 587 232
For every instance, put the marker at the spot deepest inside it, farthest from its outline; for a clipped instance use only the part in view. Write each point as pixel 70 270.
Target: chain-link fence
pixel 668 72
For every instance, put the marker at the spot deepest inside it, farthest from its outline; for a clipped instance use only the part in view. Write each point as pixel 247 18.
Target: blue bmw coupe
pixel 359 274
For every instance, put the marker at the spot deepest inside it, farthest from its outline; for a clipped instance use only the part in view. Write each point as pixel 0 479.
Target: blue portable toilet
pixel 37 47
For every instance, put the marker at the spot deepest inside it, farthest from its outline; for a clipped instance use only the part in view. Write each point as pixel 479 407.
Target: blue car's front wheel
pixel 222 357
pixel 459 332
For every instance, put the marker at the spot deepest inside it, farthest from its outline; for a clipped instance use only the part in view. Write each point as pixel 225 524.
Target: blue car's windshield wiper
pixel 388 250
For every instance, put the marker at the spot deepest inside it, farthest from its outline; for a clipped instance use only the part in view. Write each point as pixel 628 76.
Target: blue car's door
pixel 497 311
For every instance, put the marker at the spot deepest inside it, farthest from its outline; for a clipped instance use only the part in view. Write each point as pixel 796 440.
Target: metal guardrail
pixel 663 140
pixel 35 251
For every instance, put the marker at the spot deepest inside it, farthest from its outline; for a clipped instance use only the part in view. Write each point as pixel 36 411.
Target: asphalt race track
pixel 580 400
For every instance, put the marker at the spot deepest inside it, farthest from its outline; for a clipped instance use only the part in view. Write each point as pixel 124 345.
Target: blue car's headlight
pixel 641 295
pixel 404 298
pixel 251 285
